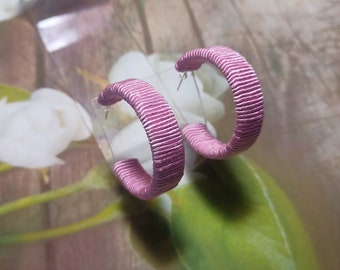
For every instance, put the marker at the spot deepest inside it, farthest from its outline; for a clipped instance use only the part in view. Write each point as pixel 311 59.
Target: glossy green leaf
pixel 12 93
pixel 150 236
pixel 238 218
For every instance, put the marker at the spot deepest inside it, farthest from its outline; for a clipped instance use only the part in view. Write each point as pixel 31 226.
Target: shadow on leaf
pixel 222 190
pixel 150 234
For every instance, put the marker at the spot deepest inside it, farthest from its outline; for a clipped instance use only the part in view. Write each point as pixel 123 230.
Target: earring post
pixel 183 77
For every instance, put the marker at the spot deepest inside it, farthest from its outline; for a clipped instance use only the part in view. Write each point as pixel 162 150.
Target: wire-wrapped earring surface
pixel 247 95
pixel 164 135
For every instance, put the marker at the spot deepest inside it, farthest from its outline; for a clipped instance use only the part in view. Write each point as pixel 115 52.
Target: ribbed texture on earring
pixel 164 137
pixel 247 96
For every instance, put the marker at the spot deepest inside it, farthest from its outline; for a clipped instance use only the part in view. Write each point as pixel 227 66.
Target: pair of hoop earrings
pixel 163 132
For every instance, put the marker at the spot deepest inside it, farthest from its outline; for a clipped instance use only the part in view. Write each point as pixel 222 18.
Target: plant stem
pixel 43 197
pixel 99 177
pixel 107 214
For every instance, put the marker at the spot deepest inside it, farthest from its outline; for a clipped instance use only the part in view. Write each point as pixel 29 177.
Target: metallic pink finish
pixel 164 136
pixel 247 95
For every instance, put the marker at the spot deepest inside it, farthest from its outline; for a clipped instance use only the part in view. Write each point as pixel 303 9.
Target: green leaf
pixel 238 218
pixel 150 236
pixel 149 232
pixel 13 93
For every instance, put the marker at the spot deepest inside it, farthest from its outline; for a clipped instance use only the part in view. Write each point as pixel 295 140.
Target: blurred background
pixel 293 46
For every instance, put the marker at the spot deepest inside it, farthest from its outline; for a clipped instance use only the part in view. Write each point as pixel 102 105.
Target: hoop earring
pixel 247 96
pixel 164 137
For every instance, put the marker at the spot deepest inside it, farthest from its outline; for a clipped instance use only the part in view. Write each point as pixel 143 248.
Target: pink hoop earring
pixel 247 96
pixel 164 137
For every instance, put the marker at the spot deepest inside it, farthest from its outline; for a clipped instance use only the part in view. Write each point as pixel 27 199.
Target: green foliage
pixel 98 177
pixel 238 218
pixel 12 93
pixel 150 236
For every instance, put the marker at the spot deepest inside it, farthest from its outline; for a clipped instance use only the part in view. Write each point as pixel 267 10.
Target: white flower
pixel 210 84
pixel 11 8
pixel 33 132
pixel 131 140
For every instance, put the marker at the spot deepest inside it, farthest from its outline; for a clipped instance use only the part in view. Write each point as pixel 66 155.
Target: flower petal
pixel 72 116
pixel 131 65
pixel 213 81
pixel 188 96
pixel 194 118
pixel 15 155
pixel 11 8
pixel 84 124
pixel 37 128
pixel 132 142
pixel 33 132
